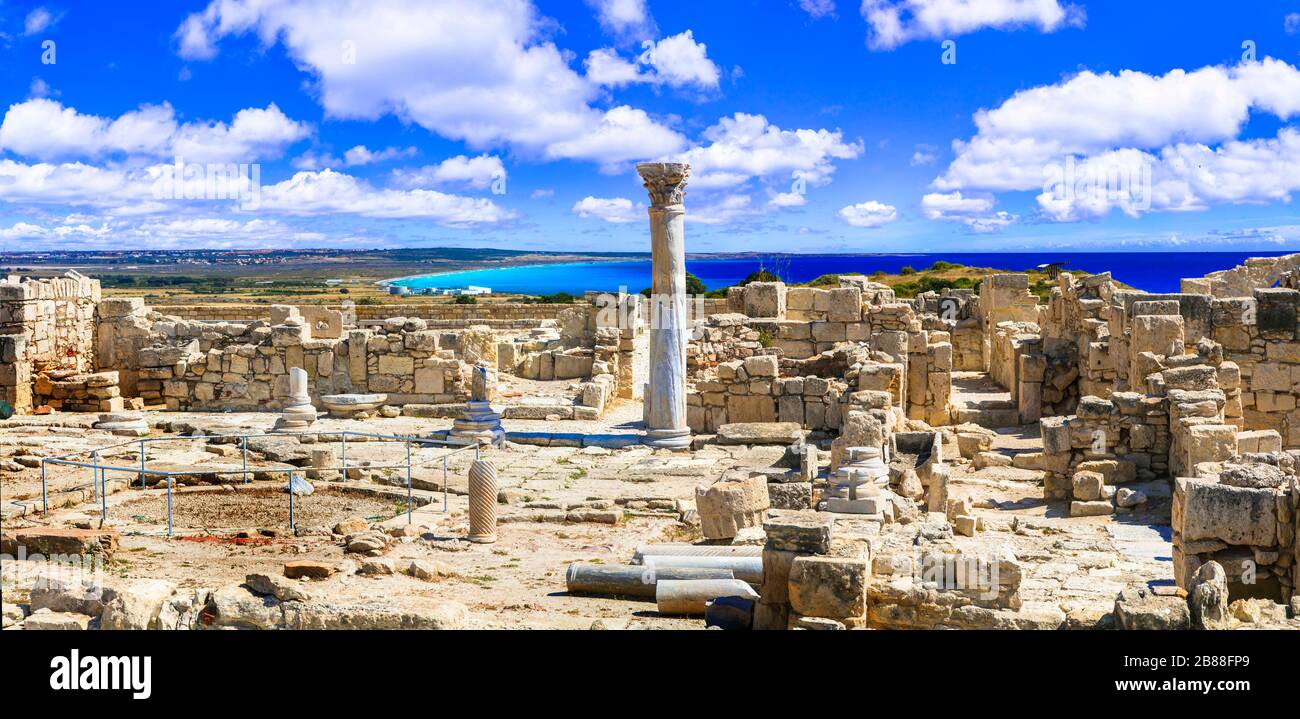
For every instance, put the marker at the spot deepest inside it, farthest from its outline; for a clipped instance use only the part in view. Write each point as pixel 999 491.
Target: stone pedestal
pixel 665 400
pixel 353 406
pixel 123 424
pixel 478 423
pixel 298 413
pixel 859 485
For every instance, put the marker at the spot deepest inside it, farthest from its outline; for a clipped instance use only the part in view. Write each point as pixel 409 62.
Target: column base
pixel 668 438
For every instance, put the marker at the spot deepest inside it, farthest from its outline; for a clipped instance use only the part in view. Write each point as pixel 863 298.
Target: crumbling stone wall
pixel 45 326
pixel 754 390
pixel 956 311
pixel 1246 519
pixel 1110 442
pixel 1004 298
pixel 404 360
pixel 1244 279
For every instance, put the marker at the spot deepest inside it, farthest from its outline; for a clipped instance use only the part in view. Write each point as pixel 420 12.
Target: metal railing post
pixel 45 500
pixel 103 497
pixel 445 506
pixel 408 483
pixel 244 453
pixel 345 456
pixel 142 465
pixel 291 493
pixel 169 505
pixel 94 474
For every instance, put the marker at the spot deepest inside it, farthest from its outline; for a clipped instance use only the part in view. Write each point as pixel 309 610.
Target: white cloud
pixel 472 172
pixel 542 193
pixel 678 61
pixel 923 156
pixel 788 199
pixel 818 8
pixel 39 20
pixel 130 192
pixel 895 22
pixel 624 18
pixel 39 88
pixel 410 60
pixel 1171 138
pixel 605 67
pixel 975 212
pixel 870 214
pixel 1291 23
pixel 74 184
pixel 45 129
pixel 362 155
pixel 724 210
pixel 618 210
pixel 167 233
pixel 743 147
pixel 313 160
pixel 328 192
pixel 624 134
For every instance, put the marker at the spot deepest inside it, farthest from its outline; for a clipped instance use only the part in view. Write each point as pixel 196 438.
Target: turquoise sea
pixel 1150 271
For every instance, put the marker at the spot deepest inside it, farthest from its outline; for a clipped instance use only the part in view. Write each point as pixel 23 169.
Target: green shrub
pixel 831 280
pixel 760 276
pixel 907 270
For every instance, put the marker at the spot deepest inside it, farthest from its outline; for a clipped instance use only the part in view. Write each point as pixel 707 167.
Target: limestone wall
pixel 45 326
pixel 1244 279
pixel 1246 519
pixel 403 360
pixel 439 314
pixel 1004 298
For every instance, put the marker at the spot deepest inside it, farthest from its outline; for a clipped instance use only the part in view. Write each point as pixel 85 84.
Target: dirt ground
pixel 1073 566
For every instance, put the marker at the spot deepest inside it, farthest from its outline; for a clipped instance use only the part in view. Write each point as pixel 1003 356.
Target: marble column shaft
pixel 665 399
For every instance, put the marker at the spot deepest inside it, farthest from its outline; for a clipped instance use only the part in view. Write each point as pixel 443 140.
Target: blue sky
pixel 811 125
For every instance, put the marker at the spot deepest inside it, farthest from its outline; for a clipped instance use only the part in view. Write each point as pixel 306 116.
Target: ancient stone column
pixel 298 412
pixel 665 400
pixel 482 502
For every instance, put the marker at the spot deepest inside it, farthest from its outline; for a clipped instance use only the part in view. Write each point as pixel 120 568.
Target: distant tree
pixel 465 300
pixel 694 285
pixel 907 270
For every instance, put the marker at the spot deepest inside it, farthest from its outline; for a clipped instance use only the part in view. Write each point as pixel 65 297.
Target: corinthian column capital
pixel 665 181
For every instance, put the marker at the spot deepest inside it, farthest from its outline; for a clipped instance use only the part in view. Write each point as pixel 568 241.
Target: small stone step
pixel 989 404
pixel 991 418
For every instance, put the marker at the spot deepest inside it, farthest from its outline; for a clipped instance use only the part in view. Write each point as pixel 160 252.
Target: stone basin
pixel 347 406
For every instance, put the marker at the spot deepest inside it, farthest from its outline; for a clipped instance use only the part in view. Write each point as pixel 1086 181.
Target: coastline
pixel 1148 271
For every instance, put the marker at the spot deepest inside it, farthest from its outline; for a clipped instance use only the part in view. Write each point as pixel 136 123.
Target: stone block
pixel 1206 509
pixel 806 532
pixel 1088 486
pixel 829 587
pixel 765 299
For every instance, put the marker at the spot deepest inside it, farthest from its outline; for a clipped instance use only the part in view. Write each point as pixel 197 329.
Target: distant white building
pixel 454 291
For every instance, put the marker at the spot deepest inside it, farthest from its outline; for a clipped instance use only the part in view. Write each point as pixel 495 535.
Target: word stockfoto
pixel 77 673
